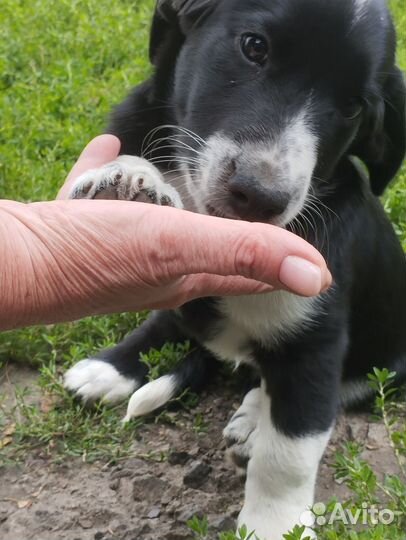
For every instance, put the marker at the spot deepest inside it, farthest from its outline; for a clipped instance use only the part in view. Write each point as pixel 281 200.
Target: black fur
pixel 203 83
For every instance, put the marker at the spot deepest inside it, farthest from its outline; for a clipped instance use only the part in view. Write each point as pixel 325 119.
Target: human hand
pixel 64 260
pixel 200 254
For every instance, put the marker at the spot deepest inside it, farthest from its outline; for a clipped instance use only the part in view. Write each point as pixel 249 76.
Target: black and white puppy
pixel 290 112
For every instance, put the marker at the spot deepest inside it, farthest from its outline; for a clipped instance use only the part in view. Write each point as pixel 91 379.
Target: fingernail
pixel 301 276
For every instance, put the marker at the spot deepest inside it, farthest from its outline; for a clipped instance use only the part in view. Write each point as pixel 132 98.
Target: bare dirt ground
pixel 143 498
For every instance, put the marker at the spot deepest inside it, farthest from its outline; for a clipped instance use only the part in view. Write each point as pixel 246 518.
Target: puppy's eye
pixel 352 109
pixel 255 48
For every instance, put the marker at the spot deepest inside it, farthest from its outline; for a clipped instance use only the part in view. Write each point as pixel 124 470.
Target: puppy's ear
pixel 382 147
pixel 171 21
pixel 165 30
pixel 185 7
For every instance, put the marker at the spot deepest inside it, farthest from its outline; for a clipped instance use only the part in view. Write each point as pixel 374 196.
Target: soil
pixel 146 499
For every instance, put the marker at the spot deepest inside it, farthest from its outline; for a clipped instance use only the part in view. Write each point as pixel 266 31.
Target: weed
pixel 162 361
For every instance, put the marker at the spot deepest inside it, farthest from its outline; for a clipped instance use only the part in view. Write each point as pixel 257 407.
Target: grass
pixel 63 65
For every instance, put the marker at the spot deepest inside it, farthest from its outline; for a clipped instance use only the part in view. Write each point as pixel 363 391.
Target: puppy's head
pixel 277 92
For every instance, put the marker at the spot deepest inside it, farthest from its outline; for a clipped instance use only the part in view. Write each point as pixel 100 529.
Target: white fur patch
pixel 241 430
pixel 151 396
pixel 285 165
pixel 268 317
pixel 93 379
pixel 281 478
pixel 264 318
pixel 245 419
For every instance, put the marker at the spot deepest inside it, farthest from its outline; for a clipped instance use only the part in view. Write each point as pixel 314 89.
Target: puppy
pixel 289 112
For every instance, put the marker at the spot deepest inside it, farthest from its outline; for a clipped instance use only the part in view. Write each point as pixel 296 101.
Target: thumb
pixel 99 151
pixel 193 244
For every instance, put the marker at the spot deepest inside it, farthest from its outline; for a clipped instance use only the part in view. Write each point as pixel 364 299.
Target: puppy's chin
pixel 210 210
pixel 219 212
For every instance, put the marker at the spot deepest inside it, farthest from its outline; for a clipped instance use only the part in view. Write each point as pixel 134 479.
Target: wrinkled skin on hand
pixel 64 260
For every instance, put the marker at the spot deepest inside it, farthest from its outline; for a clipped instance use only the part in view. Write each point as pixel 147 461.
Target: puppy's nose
pixel 254 202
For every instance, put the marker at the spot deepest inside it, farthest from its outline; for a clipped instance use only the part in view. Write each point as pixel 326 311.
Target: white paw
pixel 268 523
pixel 241 431
pixel 151 396
pixel 93 379
pixel 128 178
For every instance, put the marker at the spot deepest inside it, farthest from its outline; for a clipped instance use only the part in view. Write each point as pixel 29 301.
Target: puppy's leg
pixel 297 407
pixel 281 477
pixel 128 178
pixel 241 430
pixel 117 372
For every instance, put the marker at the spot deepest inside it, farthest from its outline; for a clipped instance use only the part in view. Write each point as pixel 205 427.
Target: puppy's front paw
pixel 241 431
pixel 92 379
pixel 128 178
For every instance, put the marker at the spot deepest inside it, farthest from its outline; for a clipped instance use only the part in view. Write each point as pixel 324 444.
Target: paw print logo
pixel 315 516
pixel 319 511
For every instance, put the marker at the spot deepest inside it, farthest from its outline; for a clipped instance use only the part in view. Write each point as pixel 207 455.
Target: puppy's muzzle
pixel 250 193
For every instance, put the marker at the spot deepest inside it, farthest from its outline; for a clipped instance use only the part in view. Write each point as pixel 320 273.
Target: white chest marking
pixel 264 318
